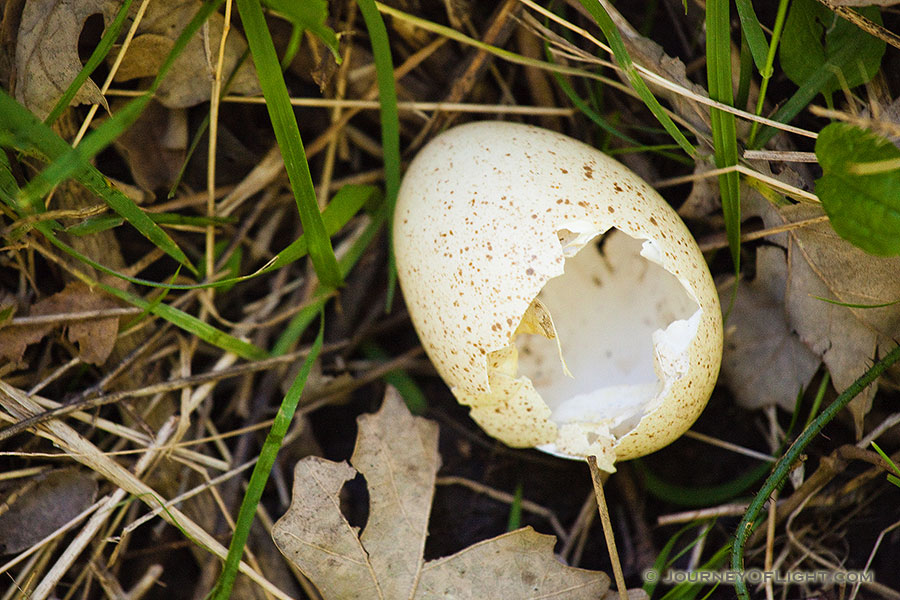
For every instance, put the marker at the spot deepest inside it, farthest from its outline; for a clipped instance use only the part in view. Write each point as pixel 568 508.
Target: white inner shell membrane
pixel 624 324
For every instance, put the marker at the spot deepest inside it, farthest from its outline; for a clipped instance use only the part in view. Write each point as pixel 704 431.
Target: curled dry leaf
pixel 822 265
pixel 764 362
pixel 189 81
pixel 47 52
pixel 95 337
pixel 398 455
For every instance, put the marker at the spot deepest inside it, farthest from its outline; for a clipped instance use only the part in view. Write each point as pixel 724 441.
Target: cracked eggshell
pixel 489 217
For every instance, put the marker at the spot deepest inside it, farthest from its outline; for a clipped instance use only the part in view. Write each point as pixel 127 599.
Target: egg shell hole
pixel 623 323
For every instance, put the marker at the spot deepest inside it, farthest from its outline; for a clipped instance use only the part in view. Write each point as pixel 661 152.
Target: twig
pixel 598 477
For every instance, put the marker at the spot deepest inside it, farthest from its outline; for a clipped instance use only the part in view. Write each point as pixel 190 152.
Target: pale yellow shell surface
pixel 476 238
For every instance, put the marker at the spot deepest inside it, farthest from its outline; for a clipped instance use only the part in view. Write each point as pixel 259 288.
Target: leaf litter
pixel 397 454
pixel 95 337
pixel 47 57
pixel 820 264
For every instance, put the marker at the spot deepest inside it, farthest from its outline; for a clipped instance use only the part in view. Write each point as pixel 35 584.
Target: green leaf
pixel 310 15
pixel 753 33
pixel 813 38
pixel 864 209
pixel 287 133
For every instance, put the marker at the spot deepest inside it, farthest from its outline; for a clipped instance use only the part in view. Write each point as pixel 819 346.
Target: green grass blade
pixel 753 31
pixel 718 69
pixel 769 68
pixel 304 318
pixel 311 15
pixel 25 132
pixel 190 324
pixel 789 459
pixel 891 477
pixel 287 133
pixel 263 468
pixel 9 187
pixel 624 59
pixel 699 496
pixel 343 207
pixel 106 43
pixel 850 305
pixel 662 561
pixel 390 122
pixel 745 77
pixel 687 590
pixel 514 521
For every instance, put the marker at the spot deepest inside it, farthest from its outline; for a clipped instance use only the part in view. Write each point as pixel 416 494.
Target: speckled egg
pixel 557 336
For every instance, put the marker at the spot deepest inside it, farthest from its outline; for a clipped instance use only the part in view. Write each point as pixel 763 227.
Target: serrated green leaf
pixel 863 209
pixel 813 37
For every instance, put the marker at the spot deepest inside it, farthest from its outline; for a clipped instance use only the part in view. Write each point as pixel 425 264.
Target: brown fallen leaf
pixel 764 362
pixel 47 52
pixel 95 337
pixel 398 455
pixel 822 265
pixel 189 80
pixel 43 504
pixel 155 146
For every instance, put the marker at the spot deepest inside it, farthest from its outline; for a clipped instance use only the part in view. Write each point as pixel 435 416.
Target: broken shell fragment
pixel 556 336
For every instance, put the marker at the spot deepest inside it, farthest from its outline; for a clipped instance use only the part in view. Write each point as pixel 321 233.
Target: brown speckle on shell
pixel 451 273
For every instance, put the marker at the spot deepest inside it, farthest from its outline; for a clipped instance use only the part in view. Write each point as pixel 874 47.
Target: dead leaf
pixel 155 146
pixel 42 505
pixel 397 454
pixel 47 52
pixel 95 337
pixel 822 265
pixel 764 362
pixel 704 198
pixel 189 81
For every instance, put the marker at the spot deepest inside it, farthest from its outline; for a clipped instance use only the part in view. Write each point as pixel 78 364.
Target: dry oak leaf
pixel 764 362
pixel 95 337
pixel 189 81
pixel 398 456
pixel 820 264
pixel 47 52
